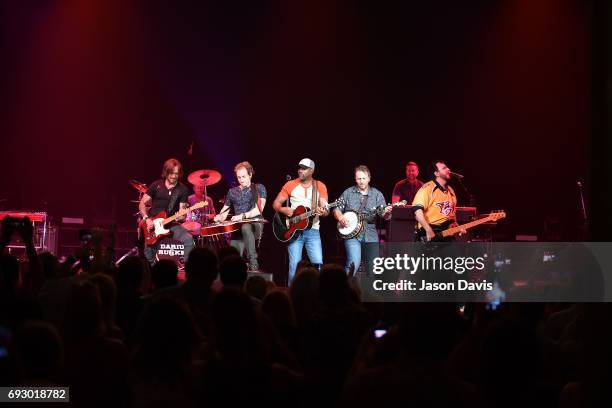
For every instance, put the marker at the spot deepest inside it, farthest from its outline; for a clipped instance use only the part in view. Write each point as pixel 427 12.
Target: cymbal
pixel 204 177
pixel 140 187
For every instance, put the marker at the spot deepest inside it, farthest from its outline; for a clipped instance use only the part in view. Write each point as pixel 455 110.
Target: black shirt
pixel 160 197
pixel 406 190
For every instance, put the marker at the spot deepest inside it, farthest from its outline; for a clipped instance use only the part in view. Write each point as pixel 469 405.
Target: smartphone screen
pixel 378 333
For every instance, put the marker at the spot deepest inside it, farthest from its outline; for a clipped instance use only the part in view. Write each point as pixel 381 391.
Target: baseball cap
pixel 307 163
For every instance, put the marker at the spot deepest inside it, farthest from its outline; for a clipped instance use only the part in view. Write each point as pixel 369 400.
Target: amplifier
pixel 69 239
pixel 41 229
pixel 401 226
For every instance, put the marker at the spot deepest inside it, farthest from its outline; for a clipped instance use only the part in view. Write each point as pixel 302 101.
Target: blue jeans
pixel 312 240
pixel 354 248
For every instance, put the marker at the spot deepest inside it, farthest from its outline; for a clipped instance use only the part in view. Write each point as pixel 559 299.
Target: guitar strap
pixel 364 200
pixel 315 201
pixel 173 199
pixel 255 191
pixel 315 198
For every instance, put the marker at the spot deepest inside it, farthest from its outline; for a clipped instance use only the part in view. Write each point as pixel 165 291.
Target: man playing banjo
pixel 357 204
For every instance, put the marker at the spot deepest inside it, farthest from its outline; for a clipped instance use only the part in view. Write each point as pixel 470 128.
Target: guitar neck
pixel 307 214
pixel 174 217
pixel 310 213
pixel 455 230
pixel 180 213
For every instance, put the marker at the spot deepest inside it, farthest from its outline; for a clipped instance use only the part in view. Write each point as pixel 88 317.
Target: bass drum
pixel 353 228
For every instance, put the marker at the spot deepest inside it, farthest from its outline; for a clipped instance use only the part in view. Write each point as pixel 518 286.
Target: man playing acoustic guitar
pixel 308 192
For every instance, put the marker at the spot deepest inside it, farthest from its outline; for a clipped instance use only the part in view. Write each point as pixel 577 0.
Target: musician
pixel 248 200
pixel 406 189
pixel 360 198
pixel 308 192
pixel 170 195
pixel 435 202
pixel 206 213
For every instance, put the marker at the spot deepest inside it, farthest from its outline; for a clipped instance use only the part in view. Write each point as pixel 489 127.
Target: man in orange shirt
pixel 300 191
pixel 435 203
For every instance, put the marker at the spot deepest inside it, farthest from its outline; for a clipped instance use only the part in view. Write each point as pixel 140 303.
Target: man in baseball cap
pixel 306 164
pixel 308 192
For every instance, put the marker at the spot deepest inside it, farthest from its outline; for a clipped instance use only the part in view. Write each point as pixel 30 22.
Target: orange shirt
pixel 299 195
pixel 438 205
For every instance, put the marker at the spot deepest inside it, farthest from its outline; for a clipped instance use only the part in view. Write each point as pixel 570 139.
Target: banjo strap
pixel 364 200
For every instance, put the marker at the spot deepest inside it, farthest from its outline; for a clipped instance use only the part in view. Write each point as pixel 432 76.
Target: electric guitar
pixel 442 231
pixel 151 236
pixel 285 228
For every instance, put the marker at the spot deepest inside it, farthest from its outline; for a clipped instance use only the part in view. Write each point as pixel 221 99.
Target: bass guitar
pixel 443 231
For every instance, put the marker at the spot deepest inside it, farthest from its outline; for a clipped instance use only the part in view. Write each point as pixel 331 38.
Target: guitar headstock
pixel 497 215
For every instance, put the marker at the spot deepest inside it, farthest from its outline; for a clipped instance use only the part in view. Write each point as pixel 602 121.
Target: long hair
pixel 169 165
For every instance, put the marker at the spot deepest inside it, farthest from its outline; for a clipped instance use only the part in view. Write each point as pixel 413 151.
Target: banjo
pixel 356 222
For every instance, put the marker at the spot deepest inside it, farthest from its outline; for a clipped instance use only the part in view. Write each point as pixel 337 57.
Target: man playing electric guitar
pixel 435 204
pixel 308 192
pixel 169 195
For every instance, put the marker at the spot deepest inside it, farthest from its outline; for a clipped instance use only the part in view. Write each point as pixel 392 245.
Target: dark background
pixel 94 93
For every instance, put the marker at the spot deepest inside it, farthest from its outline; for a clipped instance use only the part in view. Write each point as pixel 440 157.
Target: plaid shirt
pixel 353 201
pixel 243 199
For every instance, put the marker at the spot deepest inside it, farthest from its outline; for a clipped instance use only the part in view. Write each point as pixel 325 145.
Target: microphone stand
pixel 582 228
pixel 471 198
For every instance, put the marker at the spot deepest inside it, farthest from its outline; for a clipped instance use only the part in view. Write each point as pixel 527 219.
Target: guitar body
pixel 227 227
pixel 158 231
pixel 421 236
pixel 159 223
pixel 285 229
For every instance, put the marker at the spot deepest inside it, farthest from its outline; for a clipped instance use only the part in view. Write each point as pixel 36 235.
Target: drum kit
pixel 199 223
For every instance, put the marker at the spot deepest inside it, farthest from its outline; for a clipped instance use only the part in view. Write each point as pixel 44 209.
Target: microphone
pixel 459 176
